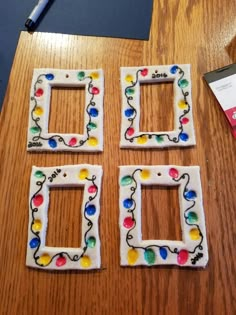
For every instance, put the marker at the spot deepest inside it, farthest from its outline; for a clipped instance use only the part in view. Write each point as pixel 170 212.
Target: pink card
pixel 223 84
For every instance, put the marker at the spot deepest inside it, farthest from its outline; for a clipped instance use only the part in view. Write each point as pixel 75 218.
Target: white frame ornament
pixel 87 256
pixel 192 251
pixel 183 133
pixel 43 80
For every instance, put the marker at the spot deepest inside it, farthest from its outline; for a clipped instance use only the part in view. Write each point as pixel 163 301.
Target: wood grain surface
pixel 201 33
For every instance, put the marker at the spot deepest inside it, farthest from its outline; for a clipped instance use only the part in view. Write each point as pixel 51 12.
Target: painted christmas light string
pixel 192 251
pixel 88 255
pixel 183 133
pixel 43 80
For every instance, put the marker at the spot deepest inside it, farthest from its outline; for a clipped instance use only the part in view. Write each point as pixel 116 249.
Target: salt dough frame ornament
pixel 192 251
pixel 42 179
pixel 43 80
pixel 183 133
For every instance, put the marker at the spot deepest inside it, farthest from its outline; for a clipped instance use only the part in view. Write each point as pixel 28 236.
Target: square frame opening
pixel 159 116
pixel 65 217
pixel 160 212
pixel 67 109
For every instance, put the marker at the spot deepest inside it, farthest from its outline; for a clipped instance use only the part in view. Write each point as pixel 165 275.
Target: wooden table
pixel 201 33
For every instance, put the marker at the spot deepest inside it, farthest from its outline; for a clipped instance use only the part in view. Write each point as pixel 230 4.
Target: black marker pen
pixel 32 19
